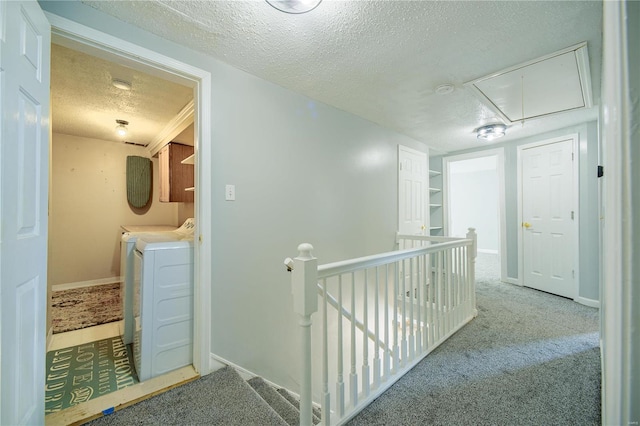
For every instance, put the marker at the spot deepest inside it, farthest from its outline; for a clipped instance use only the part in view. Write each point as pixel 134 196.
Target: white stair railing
pixel 413 299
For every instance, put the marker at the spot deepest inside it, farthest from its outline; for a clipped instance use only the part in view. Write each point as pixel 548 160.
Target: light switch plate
pixel 230 192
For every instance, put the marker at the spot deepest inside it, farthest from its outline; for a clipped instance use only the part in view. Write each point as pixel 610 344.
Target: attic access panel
pixel 548 85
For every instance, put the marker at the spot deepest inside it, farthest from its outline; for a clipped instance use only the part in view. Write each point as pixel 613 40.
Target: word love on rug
pixel 87 371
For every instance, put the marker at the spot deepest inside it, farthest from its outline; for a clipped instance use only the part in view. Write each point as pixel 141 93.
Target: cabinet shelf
pixel 435 228
pixel 435 206
pixel 434 190
pixel 434 173
pixel 189 160
pixel 174 174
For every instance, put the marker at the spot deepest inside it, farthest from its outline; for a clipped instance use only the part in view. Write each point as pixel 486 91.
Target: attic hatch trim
pixel 584 75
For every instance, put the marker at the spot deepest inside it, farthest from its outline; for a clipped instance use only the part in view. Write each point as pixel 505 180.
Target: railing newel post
pixel 304 279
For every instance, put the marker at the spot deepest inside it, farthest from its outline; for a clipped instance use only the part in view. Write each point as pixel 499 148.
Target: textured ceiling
pixel 85 103
pixel 382 60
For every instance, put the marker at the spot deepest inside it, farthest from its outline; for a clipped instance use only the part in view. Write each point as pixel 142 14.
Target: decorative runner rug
pixel 85 307
pixel 87 371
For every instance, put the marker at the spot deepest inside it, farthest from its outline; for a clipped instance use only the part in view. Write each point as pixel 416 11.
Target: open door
pixel 413 184
pixel 24 168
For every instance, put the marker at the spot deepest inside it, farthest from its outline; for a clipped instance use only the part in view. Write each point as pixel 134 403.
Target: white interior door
pixel 24 163
pixel 413 184
pixel 548 218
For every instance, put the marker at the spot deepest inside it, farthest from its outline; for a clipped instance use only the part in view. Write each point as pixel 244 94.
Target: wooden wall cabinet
pixel 175 177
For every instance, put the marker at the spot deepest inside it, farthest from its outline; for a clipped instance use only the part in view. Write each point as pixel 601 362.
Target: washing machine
pixel 129 237
pixel 162 304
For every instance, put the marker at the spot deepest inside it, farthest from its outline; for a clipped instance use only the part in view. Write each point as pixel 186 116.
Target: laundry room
pixel 122 152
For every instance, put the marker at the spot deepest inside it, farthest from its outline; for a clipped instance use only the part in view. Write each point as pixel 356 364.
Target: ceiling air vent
pixel 554 83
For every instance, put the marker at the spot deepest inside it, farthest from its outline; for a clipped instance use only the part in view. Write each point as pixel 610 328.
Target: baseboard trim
pixel 511 280
pixel 487 251
pixel 217 362
pixel 588 302
pixel 89 283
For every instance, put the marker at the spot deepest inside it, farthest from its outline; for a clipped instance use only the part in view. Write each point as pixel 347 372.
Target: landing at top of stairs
pixel 220 398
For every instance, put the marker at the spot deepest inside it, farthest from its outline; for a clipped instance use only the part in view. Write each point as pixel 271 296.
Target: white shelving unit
pixel 435 197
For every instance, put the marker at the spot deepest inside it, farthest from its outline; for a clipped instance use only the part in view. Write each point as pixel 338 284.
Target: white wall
pixel 88 205
pixel 304 172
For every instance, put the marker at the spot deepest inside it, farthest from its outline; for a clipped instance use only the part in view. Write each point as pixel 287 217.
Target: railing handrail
pixel 443 274
pixel 425 238
pixel 365 262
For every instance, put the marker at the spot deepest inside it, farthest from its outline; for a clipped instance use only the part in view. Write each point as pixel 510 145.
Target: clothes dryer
pixel 127 248
pixel 162 304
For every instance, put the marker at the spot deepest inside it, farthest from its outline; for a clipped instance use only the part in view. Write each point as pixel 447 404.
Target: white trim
pixel 575 138
pixel 181 121
pixel 201 80
pixel 512 280
pixel 488 251
pixel 588 302
pixel 499 154
pixel 619 289
pixel 88 283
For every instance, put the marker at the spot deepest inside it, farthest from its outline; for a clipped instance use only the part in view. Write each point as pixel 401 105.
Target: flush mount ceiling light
pixel 491 131
pixel 294 7
pixel 121 84
pixel 121 128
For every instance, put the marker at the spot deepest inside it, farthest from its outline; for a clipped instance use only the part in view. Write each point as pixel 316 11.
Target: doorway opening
pixel 474 193
pixel 84 39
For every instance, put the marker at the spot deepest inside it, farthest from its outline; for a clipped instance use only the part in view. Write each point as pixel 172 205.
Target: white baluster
pixel 439 304
pixel 472 267
pixel 412 286
pixel 340 382
pixel 418 302
pixel 430 300
pixel 353 377
pixel 326 396
pixel 304 281
pixel 403 359
pixel 386 353
pixel 396 346
pixel 376 356
pixel 365 337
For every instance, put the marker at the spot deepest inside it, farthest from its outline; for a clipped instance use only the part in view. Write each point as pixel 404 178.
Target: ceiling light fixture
pixel 294 7
pixel 491 131
pixel 121 84
pixel 121 128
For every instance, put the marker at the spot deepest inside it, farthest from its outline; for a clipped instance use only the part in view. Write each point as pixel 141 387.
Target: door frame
pixel 141 57
pixel 575 140
pixel 499 154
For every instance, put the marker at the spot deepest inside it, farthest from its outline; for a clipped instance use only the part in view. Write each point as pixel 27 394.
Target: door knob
pixel 526 225
pixel 423 227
